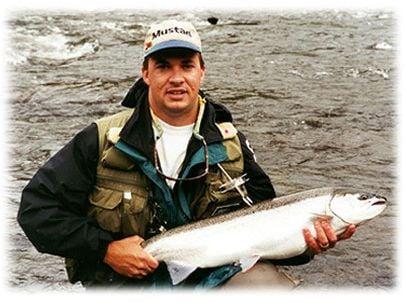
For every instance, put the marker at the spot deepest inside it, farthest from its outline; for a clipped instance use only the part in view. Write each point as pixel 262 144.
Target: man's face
pixel 174 81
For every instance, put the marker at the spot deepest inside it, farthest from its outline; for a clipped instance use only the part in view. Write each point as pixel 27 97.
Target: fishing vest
pixel 119 201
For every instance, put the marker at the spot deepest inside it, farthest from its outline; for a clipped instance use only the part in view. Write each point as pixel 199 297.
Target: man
pixel 155 166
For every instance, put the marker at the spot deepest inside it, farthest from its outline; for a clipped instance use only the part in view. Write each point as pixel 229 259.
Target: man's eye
pixel 162 65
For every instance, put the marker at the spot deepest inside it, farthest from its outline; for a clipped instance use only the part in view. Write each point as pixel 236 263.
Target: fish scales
pixel 216 238
pixel 260 206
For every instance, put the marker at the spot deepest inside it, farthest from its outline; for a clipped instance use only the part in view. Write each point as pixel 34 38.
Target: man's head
pixel 173 69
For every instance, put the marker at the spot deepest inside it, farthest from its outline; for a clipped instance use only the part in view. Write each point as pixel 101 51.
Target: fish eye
pixel 363 197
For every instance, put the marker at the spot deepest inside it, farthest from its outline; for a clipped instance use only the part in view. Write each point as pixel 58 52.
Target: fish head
pixel 355 207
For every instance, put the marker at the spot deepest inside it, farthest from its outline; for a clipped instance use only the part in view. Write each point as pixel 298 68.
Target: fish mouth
pixel 380 202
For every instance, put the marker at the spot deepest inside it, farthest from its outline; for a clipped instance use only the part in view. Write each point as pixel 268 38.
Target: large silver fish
pixel 268 230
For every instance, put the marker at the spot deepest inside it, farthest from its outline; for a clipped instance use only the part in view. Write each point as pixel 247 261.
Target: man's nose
pixel 177 76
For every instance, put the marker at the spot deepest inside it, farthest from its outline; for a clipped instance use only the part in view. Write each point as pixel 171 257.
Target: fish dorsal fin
pixel 248 262
pixel 317 216
pixel 179 272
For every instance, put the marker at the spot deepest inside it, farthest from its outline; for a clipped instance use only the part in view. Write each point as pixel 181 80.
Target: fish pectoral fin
pixel 248 262
pixel 316 216
pixel 179 272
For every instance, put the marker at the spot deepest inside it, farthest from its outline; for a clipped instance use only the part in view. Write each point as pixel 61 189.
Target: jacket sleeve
pixel 54 204
pixel 259 188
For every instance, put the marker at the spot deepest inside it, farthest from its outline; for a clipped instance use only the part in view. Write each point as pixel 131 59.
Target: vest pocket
pixel 120 211
pixel 136 214
pixel 105 208
pixel 113 158
pixel 216 180
pixel 214 198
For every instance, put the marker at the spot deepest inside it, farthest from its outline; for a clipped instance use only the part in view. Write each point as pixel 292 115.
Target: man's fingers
pixel 330 233
pixel 350 230
pixel 141 269
pixel 153 263
pixel 139 273
pixel 325 236
pixel 137 239
pixel 311 242
pixel 322 238
pixel 148 261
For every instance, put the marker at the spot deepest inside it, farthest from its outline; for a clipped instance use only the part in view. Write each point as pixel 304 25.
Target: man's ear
pixel 145 76
pixel 202 73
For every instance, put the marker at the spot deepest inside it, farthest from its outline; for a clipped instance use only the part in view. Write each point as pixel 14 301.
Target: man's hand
pixel 325 236
pixel 128 258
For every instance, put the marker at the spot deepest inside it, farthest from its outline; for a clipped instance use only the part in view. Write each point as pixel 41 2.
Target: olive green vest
pixel 119 201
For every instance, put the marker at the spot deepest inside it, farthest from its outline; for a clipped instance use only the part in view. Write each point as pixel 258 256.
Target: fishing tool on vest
pixel 158 221
pixel 235 183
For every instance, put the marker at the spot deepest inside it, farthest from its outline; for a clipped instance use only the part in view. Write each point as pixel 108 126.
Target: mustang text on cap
pixel 171 34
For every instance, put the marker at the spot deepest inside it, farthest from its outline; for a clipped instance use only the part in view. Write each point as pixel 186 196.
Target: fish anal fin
pixel 248 262
pixel 179 272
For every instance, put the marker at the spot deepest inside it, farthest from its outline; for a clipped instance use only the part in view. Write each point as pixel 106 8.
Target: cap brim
pixel 172 44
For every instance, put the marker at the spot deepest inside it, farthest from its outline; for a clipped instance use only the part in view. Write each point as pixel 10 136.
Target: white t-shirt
pixel 172 147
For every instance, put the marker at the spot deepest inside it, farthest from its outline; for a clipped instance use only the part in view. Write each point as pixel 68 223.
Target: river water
pixel 314 91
